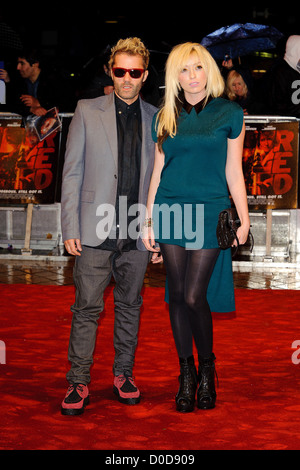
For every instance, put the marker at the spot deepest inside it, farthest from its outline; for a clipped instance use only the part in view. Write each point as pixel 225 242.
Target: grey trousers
pixel 92 274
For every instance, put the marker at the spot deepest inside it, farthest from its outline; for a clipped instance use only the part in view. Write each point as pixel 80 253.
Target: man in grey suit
pixel 108 164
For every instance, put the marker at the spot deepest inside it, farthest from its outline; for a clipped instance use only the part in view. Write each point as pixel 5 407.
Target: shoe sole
pixel 75 411
pixel 208 406
pixel 182 409
pixel 126 401
pixel 189 410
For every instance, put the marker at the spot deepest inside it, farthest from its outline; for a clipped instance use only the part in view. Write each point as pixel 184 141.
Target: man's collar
pixel 122 106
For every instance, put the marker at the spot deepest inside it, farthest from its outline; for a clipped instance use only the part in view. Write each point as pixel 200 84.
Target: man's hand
pixel 73 246
pixel 29 100
pixel 33 104
pixel 38 110
pixel 4 75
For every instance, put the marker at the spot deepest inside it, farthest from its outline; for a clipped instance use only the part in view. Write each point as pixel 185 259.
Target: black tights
pixel 188 274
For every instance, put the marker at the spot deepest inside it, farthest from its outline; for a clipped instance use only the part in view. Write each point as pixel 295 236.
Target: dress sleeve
pixel 237 120
pixel 153 129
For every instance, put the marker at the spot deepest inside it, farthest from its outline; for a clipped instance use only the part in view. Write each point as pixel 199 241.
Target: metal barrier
pixel 30 187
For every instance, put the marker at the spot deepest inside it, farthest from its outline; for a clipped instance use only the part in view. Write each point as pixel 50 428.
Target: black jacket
pixel 48 94
pixel 283 91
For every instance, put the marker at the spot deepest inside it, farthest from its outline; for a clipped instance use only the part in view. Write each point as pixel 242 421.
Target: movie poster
pixel 270 164
pixel 28 163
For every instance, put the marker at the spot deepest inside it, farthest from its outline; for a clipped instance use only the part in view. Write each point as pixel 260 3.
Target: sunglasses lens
pixel 134 73
pixel 119 73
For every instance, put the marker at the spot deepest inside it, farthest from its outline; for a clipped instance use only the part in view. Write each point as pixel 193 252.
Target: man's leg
pixel 129 270
pixel 92 274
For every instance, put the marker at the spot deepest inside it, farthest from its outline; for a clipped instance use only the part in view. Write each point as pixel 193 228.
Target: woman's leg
pixel 189 273
pixel 175 260
pixel 199 269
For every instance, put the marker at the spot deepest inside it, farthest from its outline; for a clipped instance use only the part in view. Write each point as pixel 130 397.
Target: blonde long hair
pixel 166 123
pixel 233 75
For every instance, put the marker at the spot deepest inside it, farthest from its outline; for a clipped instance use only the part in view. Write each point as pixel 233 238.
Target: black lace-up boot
pixel 206 394
pixel 185 398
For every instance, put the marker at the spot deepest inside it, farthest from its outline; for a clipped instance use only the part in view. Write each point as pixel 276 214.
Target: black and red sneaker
pixel 77 397
pixel 126 390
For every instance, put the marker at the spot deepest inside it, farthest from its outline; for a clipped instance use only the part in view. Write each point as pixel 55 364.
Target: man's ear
pixel 146 73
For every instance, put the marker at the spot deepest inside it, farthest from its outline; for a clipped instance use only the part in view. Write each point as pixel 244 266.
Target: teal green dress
pixel 193 189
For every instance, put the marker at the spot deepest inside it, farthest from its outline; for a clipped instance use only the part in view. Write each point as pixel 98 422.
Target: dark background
pixel 81 28
pixel 71 35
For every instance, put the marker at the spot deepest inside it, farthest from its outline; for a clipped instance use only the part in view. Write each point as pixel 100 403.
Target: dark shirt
pixel 281 90
pixel 129 129
pixel 32 88
pixel 47 90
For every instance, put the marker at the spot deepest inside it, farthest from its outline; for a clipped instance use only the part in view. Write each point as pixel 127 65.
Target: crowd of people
pixel 35 89
pixel 276 93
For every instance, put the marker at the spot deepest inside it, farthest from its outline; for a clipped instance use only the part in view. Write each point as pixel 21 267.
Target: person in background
pixel 109 158
pixel 35 91
pixel 282 87
pixel 226 66
pixel 199 140
pixel 240 88
pixel 96 80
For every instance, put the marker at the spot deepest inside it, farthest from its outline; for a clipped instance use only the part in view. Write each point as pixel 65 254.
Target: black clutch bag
pixel 228 224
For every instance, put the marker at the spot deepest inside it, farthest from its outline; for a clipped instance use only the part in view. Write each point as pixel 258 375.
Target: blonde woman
pixel 199 140
pixel 240 88
pixel 236 86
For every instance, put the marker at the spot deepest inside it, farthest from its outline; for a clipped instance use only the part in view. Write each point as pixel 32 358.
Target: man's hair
pixel 31 55
pixel 131 46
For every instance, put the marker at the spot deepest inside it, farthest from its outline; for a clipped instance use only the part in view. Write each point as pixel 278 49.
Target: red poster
pixel 270 164
pixel 28 165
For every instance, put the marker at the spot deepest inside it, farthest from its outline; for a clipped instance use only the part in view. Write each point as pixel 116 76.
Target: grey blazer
pixel 90 174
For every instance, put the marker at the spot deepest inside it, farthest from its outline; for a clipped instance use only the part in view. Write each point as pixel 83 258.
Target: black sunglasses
pixel 134 73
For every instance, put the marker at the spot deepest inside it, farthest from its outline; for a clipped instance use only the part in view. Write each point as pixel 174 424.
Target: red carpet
pixel 258 404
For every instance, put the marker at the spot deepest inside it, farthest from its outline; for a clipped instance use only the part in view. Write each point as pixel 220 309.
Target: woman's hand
pixel 148 239
pixel 149 242
pixel 242 234
pixel 156 258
